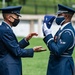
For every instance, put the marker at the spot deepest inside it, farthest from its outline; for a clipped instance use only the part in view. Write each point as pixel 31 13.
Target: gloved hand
pixel 48 20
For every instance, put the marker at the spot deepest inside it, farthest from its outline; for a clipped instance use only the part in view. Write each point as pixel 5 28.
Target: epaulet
pixel 67 30
pixel 71 33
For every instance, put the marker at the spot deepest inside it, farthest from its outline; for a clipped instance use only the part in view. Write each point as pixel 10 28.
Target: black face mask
pixel 16 21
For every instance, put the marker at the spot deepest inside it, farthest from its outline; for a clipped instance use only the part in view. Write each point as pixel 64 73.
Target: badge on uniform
pixel 55 38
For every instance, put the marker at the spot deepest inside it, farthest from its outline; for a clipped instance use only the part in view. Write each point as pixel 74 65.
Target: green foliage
pixel 38 64
pixel 39 6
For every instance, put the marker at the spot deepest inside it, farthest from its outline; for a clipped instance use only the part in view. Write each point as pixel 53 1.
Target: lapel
pixel 7 26
pixel 56 37
pixel 10 30
pixel 67 26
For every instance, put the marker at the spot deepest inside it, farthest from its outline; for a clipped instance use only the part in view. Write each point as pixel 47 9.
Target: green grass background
pixel 38 64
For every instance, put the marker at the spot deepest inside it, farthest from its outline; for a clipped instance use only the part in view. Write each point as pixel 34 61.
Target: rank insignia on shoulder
pixel 62 42
pixel 7 27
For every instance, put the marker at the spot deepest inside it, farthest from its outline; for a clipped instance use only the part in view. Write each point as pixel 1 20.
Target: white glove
pixel 46 30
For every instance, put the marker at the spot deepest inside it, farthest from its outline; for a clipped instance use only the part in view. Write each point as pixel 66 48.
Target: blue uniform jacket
pixel 61 48
pixel 11 51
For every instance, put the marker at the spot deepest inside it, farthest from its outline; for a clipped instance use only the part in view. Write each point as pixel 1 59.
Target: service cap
pixel 12 9
pixel 65 9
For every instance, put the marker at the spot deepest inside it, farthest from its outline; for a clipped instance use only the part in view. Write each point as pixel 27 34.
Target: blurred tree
pixel 23 2
pixel 67 2
pixel 8 2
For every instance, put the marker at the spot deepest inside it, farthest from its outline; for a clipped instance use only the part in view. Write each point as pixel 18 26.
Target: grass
pixel 38 64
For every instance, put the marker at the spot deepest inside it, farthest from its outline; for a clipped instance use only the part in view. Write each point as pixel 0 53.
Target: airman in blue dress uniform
pixel 61 46
pixel 11 50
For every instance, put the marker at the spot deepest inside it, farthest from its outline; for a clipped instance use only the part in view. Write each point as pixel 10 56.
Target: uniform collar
pixel 64 25
pixel 7 24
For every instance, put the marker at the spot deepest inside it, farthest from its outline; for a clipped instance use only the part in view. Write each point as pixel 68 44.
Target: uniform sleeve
pixel 13 46
pixel 58 48
pixel 23 43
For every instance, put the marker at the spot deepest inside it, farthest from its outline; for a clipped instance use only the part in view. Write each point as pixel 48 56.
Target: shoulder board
pixel 70 32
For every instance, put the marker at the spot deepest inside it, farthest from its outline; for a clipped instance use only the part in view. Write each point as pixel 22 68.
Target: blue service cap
pixel 12 9
pixel 65 9
pixel 48 19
